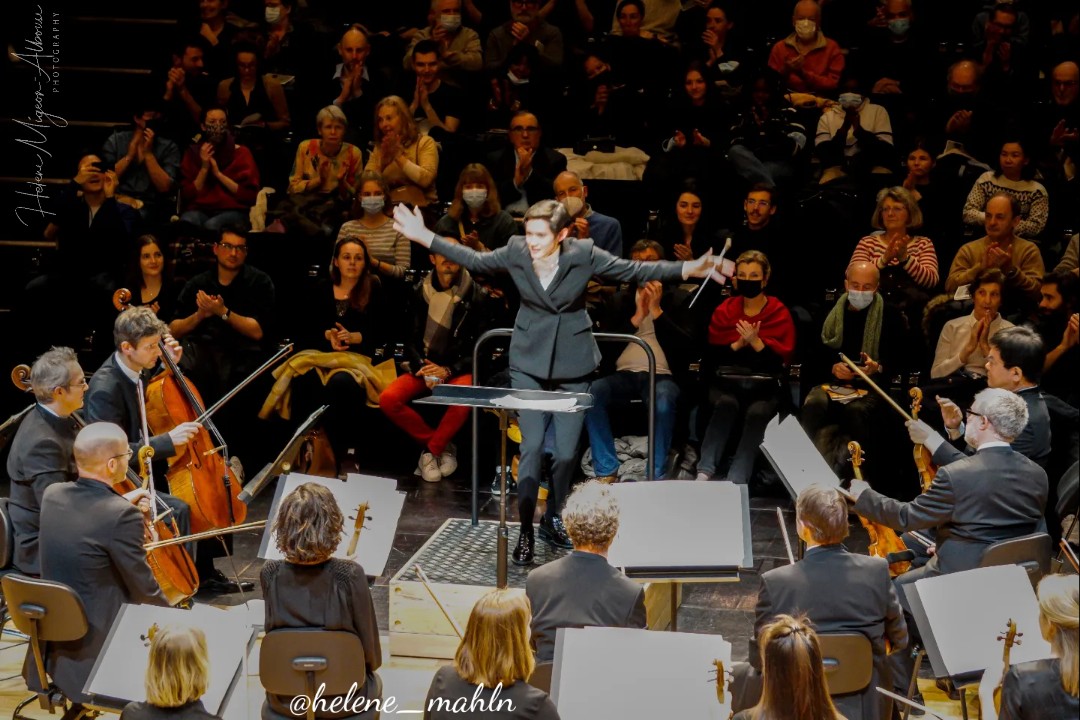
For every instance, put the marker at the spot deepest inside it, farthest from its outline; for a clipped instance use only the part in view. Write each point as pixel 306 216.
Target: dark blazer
pixel 868 605
pixel 112 397
pixel 546 165
pixel 146 711
pixel 580 590
pixel 1032 691
pixel 92 541
pixel 553 332
pixel 40 456
pixel 528 703
pixel 1033 442
pixel 993 495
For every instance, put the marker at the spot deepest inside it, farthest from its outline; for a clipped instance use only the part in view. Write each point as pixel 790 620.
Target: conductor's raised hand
pixel 708 266
pixel 410 223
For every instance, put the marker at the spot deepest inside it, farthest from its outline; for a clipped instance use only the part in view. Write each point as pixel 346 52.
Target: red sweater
pixel 235 162
pixel 777 329
pixel 820 71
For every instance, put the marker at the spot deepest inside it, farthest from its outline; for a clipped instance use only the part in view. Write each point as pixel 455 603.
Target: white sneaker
pixel 429 468
pixel 448 460
pixel 703 477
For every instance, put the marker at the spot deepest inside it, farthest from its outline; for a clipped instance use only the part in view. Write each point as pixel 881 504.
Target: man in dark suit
pixel 40 453
pixel 92 541
pixel 995 494
pixel 552 346
pixel 581 589
pixel 868 603
pixel 525 172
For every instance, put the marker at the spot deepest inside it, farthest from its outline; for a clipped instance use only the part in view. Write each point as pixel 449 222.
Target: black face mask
pixel 748 288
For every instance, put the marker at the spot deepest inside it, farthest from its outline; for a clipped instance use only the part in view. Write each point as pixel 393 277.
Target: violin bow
pixel 431 592
pixel 783 531
pixel 244 383
pixel 859 371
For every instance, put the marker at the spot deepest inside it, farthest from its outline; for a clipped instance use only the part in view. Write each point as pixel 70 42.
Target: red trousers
pixel 394 401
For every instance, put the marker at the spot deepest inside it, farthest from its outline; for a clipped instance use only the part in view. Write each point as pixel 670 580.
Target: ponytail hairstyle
pixel 794 674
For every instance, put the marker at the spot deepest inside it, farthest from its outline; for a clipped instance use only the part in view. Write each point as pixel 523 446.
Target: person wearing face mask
pixel 218 178
pixel 870 332
pixel 1057 318
pixel 476 216
pixel 854 137
pixel 751 340
pixel 893 59
pixel 605 231
pixel 807 60
pixel 459 51
pixel 996 494
pixel 389 252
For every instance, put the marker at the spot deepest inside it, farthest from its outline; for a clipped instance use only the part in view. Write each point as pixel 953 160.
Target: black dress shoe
pixel 523 553
pixel 218 584
pixel 555 533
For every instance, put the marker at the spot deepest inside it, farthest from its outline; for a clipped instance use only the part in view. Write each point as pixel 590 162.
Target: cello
pixel 171 565
pixel 883 540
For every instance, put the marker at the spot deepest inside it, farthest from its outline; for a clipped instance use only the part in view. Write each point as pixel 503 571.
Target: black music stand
pixel 284 461
pixel 503 401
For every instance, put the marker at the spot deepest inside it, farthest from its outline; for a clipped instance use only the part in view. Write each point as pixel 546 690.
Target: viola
pixel 923 458
pixel 1010 637
pixel 883 539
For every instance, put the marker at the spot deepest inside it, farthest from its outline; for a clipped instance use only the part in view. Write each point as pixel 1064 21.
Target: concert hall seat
pixel 1031 552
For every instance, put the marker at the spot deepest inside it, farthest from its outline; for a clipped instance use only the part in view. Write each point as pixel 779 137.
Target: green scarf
pixel 832 333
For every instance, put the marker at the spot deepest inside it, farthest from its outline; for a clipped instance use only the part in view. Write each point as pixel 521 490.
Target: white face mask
pixel 450 22
pixel 474 198
pixel 806 29
pixel 860 299
pixel 573 205
pixel 372 204
pixel 273 14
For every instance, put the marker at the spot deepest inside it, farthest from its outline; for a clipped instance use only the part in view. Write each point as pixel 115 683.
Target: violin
pixel 172 566
pixel 883 540
pixel 361 516
pixel 1010 638
pixel 923 458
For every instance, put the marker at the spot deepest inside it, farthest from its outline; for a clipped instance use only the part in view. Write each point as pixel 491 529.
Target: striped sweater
pixel 921 263
pixel 1034 202
pixel 383 244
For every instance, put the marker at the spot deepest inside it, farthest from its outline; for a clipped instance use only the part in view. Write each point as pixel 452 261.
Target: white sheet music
pixel 968 610
pixel 678 523
pixel 515 403
pixel 798 461
pixel 377 537
pixel 628 673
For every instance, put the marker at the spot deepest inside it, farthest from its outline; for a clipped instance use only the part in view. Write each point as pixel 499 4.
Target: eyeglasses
pixel 969 412
pixel 126 455
pixel 80 384
pixel 229 247
pixel 525 129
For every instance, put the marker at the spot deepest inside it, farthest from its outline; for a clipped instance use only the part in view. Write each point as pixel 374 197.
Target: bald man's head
pixel 964 78
pixel 96 445
pixel 1065 82
pixel 862 275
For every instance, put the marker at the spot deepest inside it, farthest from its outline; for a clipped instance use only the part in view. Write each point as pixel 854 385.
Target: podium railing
pixel 650 469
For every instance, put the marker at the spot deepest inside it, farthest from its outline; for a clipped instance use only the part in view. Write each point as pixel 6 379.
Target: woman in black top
pixel 476 216
pixel 1043 689
pixel 494 663
pixel 312 589
pixel 149 277
pixel 176 677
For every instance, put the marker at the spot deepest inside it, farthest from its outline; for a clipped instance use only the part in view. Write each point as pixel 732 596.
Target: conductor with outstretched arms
pixel 552 347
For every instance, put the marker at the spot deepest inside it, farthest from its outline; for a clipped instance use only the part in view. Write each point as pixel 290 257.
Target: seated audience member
pixel 177 676
pixel 581 589
pixel 525 27
pixel 691 232
pixel 893 59
pixel 655 19
pixel 751 340
pixel 870 608
pixel 806 60
pixel 638 50
pixel 219 178
pixel 1042 689
pixel 640 311
pixel 187 90
pixel 252 98
pixel 492 665
pixel 353 87
pixel 219 29
pixel 149 277
pixel 1057 318
pixel 1070 259
pixel 793 674
pixel 436 106
pixel 521 82
pixel 1000 45
pixel 448 313
pixel 457 47
pixel 697 126
pixel 406 158
pixel 610 105
pixel 968 119
pixel 854 137
pixel 324 178
pixel 860 325
pixel 345 323
pixel 964 343
pixel 291 44
pixel 1057 132
pixel 1019 259
pixel 476 217
pixel 525 170
pixel 726 62
pixel 222 316
pixel 147 164
pixel 1013 178
pixel 904 261
pixel 766 136
pixel 764 230
pixel 604 231
pixel 311 588
pixel 387 250
pixel 937 199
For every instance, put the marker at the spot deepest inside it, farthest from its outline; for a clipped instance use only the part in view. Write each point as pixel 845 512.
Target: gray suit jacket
pixel 92 541
pixel 1033 441
pixel 580 590
pixel 867 604
pixel 553 332
pixel 112 397
pixel 41 455
pixel 993 495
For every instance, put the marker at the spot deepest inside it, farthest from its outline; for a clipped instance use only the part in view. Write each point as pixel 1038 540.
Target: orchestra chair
pixel 297 661
pixel 7 556
pixel 541 676
pixel 1031 552
pixel 45 611
pixel 849 662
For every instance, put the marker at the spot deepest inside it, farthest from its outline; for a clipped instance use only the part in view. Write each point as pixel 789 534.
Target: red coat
pixel 236 162
pixel 777 329
pixel 820 71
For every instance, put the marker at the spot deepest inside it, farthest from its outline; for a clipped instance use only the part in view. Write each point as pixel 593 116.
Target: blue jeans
pixel 621 387
pixel 216 221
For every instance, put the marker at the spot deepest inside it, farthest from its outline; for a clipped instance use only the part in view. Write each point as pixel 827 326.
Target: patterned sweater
pixel 383 244
pixel 1034 202
pixel 921 263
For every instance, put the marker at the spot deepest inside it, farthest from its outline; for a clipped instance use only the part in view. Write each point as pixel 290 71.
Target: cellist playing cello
pixel 995 494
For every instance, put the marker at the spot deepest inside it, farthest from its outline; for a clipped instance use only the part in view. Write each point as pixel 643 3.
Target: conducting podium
pixel 503 401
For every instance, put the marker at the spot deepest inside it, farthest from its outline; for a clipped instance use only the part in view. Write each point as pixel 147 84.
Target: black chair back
pixel 1031 552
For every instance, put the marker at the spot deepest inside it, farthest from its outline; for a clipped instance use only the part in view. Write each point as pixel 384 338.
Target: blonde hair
pixel 1059 612
pixel 308 525
pixel 793 672
pixel 495 648
pixel 755 256
pixel 410 132
pixel 179 668
pixel 898 194
pixel 591 515
pixel 824 513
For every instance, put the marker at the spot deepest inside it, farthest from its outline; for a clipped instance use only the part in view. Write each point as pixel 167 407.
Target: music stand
pixel 283 462
pixel 503 401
